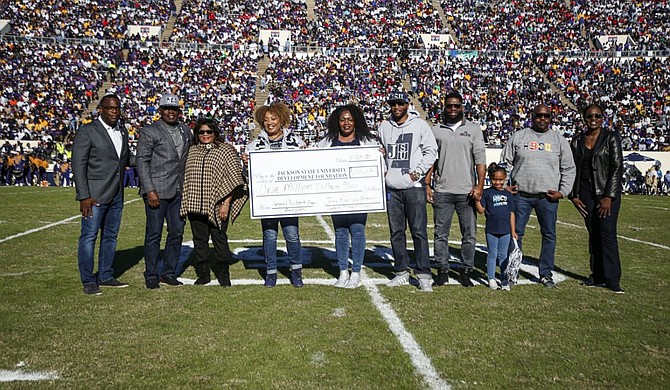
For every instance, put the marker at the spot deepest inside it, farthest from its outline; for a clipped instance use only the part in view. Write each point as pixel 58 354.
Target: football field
pixel 320 337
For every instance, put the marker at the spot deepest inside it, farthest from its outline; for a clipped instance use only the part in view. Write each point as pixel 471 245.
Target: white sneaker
pixel 399 280
pixel 493 284
pixel 343 279
pixel 426 285
pixel 505 286
pixel 354 280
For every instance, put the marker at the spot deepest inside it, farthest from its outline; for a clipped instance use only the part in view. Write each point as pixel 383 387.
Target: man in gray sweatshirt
pixel 542 171
pixel 458 181
pixel 410 151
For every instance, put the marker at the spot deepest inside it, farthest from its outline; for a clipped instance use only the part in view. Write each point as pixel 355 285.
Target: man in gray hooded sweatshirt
pixel 410 151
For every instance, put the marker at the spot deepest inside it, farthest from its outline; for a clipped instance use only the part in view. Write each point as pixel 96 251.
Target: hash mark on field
pixel 61 222
pixel 20 375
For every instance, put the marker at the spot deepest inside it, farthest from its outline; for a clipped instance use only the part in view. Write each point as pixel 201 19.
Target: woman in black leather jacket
pixel 597 195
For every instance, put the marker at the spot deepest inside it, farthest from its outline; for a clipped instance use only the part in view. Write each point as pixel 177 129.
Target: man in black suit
pixel 99 158
pixel 161 158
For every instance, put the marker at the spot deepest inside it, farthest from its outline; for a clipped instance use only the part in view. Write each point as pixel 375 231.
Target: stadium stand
pixel 59 57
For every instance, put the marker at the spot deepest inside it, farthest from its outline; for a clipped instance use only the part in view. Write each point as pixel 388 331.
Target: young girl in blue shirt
pixel 498 206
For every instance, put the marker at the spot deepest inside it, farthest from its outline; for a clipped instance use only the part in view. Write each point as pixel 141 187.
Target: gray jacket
pixel 98 170
pixel 158 164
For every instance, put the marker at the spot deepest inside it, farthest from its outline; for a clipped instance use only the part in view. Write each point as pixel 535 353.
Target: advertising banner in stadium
pixel 608 42
pixel 292 183
pixel 280 36
pixel 436 40
pixel 4 26
pixel 144 31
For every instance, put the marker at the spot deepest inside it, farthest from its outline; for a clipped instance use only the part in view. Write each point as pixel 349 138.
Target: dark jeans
pixel 603 244
pixel 202 229
pixel 106 219
pixel 444 206
pixel 546 212
pixel 408 207
pixel 167 211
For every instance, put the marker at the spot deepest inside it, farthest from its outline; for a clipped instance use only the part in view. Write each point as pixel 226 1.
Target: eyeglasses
pixel 112 108
pixel 453 105
pixel 397 103
pixel 593 116
pixel 542 115
pixel 206 132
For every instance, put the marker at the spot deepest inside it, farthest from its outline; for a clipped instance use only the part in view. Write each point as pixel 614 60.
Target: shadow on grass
pixel 312 258
pixel 126 259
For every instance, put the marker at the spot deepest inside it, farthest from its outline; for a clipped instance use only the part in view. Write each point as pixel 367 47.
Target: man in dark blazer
pixel 99 158
pixel 161 157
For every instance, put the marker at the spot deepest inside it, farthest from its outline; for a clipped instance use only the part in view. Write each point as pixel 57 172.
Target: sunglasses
pixel 397 103
pixel 453 105
pixel 206 132
pixel 542 115
pixel 593 116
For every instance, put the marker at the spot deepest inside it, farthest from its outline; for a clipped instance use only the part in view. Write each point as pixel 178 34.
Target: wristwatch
pixel 416 175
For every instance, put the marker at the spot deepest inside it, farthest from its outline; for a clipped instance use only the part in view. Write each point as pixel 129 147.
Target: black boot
pixel 442 277
pixel 224 276
pixel 464 277
pixel 203 272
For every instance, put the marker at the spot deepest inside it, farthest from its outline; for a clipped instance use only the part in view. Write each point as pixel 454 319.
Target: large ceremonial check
pixel 341 180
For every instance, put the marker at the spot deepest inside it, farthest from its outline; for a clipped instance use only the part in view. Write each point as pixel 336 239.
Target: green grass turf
pixel 250 337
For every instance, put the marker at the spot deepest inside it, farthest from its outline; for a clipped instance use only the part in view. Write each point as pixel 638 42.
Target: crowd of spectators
pixel 646 22
pixel 499 92
pixel 47 87
pixel 313 85
pixel 374 23
pixel 211 83
pixel 239 21
pixel 635 92
pixel 100 19
pixel 514 25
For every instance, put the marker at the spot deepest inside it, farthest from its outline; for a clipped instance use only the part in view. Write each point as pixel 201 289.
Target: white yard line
pixel 618 235
pixel 20 375
pixel 422 363
pixel 50 225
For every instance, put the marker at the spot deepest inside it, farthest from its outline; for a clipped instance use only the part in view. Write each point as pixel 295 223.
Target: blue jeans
pixel 547 213
pixel 443 211
pixel 107 220
pixel 409 207
pixel 291 235
pixel 345 225
pixel 498 246
pixel 168 211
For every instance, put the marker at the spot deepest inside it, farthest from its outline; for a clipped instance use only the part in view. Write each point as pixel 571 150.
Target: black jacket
pixel 607 164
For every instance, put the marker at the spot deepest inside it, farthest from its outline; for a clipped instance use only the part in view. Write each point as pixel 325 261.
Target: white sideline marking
pixel 421 362
pixel 66 220
pixel 20 375
pixel 558 277
pixel 618 235
pixel 655 208
pixel 62 222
